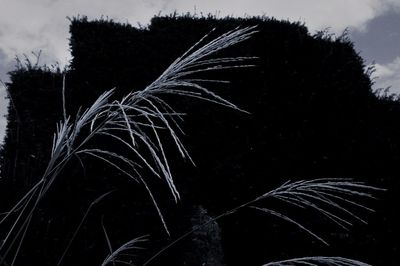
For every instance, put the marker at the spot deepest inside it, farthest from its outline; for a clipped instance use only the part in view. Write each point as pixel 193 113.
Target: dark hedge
pixel 312 114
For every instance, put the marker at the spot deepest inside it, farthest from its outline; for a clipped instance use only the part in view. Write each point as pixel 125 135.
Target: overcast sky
pixel 27 26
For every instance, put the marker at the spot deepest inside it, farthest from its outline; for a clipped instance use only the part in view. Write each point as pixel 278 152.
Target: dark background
pixel 312 114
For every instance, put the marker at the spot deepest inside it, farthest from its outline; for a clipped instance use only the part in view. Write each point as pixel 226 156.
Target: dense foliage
pixel 312 114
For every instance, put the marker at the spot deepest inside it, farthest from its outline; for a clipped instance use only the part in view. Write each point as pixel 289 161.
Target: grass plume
pixel 136 122
pixel 133 115
pixel 331 197
pixel 318 261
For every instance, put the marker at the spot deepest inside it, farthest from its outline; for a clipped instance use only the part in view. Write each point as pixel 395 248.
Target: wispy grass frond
pixel 337 199
pixel 140 121
pixel 318 261
pixel 124 252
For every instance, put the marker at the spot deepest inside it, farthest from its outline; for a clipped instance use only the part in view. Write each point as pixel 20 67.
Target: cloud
pixel 337 15
pixel 388 75
pixel 5 65
pixel 42 25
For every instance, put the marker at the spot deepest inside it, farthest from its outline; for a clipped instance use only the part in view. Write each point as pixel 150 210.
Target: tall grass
pixel 136 122
pixel 134 116
pixel 337 199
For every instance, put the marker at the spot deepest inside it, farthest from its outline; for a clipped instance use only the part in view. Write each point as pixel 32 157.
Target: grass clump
pixel 139 122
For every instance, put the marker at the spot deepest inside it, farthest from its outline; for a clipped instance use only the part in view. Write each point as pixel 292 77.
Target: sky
pixel 28 26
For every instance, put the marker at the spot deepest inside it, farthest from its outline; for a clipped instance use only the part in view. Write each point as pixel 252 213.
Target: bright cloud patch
pixel 42 25
pixel 388 76
pixel 336 15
